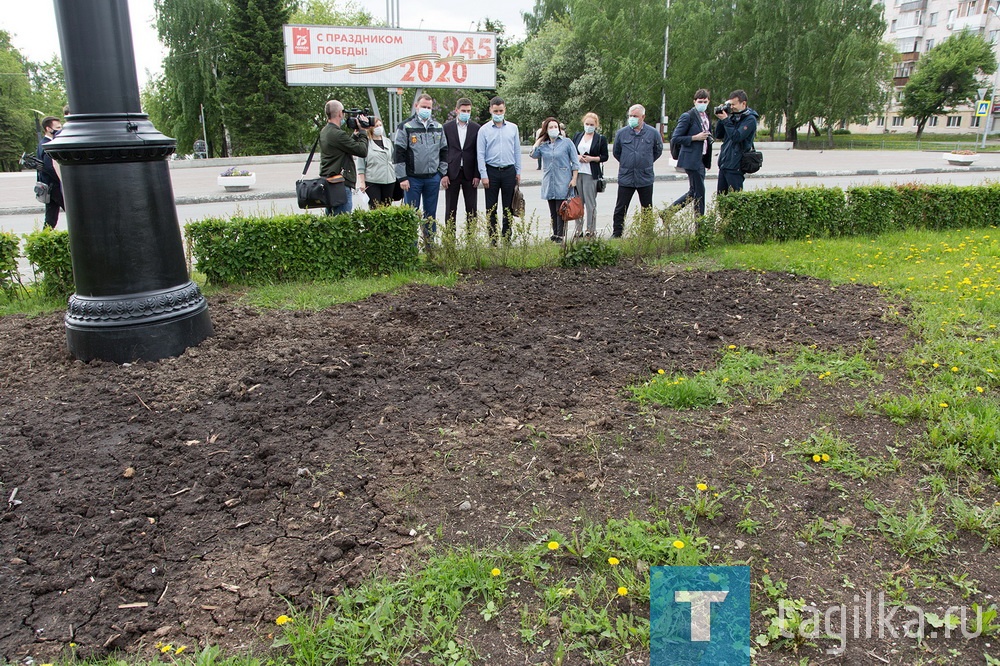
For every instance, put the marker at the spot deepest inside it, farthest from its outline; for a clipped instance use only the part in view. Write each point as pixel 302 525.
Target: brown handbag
pixel 572 208
pixel 517 205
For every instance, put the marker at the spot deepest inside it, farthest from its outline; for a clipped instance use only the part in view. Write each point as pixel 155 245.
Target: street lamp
pixel 996 78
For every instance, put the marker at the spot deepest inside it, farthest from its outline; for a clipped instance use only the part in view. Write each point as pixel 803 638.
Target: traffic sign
pixel 983 107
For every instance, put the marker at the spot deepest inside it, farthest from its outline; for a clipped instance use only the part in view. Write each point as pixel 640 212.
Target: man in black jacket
pixel 693 135
pixel 463 172
pixel 737 127
pixel 47 174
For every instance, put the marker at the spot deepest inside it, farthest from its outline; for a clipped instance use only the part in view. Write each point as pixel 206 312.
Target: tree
pixel 48 86
pixel 192 31
pixel 16 134
pixel 947 77
pixel 259 105
pixel 543 12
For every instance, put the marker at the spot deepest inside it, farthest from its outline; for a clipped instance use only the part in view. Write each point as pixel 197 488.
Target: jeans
pixel 428 188
pixel 621 205
pixel 696 190
pixel 345 207
pixel 730 180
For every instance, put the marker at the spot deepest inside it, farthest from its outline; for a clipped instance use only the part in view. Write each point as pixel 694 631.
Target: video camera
pixel 29 161
pixel 354 122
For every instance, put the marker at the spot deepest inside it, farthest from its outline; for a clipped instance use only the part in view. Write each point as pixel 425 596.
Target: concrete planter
pixel 960 160
pixel 237 183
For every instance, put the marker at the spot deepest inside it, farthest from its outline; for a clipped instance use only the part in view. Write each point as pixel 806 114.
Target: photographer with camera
pixel 421 157
pixel 338 148
pixel 737 126
pixel 47 173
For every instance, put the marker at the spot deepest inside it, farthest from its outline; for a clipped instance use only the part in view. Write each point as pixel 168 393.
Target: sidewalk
pixel 194 181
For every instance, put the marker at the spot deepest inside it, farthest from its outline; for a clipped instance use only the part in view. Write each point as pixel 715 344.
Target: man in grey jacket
pixel 636 148
pixel 421 159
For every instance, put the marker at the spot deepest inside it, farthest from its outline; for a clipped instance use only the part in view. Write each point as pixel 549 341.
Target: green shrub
pixel 780 214
pixel 871 210
pixel 593 252
pixel 48 252
pixel 249 250
pixel 10 279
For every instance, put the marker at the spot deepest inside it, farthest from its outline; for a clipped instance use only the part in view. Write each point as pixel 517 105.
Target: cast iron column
pixel 134 299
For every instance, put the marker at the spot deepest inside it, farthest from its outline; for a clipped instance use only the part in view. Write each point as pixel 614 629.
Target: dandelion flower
pixel 826 457
pixel 495 572
pixel 166 648
pixel 954 368
pixel 660 371
pixel 979 389
pixel 180 649
pixel 613 561
pixel 282 619
pixel 731 347
pixel 816 457
pixel 702 487
pixel 942 404
pixel 553 545
pixel 622 591
pixel 678 544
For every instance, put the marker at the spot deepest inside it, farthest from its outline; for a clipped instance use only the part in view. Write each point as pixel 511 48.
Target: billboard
pixel 324 55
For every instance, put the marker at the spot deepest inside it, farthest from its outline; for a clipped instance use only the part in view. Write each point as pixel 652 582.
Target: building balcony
pixel 916 5
pixel 975 22
pixel 900 81
pixel 909 32
pixel 912 56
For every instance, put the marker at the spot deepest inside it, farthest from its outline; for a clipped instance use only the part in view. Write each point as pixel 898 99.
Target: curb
pixel 534 182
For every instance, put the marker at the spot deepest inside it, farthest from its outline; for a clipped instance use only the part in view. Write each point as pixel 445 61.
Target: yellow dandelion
pixel 613 561
pixel 816 457
pixel 702 487
pixel 166 648
pixel 180 649
pixel 678 544
pixel 566 591
pixel 660 371
pixel 622 591
pixel 826 457
pixel 935 365
pixel 283 619
pixel 553 545
pixel 979 389
pixel 495 572
pixel 731 347
pixel 943 405
pixel 954 368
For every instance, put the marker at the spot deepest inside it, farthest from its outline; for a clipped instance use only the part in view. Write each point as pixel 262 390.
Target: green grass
pixel 900 141
pixel 319 295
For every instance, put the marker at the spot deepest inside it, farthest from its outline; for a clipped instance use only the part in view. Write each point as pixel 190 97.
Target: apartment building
pixel 915 27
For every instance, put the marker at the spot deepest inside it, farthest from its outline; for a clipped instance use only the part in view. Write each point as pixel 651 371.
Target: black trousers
pixel 696 190
pixel 52 208
pixel 621 205
pixel 502 183
pixel 730 180
pixel 379 194
pixel 461 185
pixel 558 226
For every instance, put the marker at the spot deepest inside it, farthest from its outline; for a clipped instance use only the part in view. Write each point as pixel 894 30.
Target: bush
pixel 593 252
pixel 780 214
pixel 48 252
pixel 248 250
pixel 10 279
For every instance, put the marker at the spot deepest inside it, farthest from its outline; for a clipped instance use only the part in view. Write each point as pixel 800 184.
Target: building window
pixel 880 122
pixel 975 121
pixel 892 26
pixel 951 18
pixel 864 121
pixel 929 45
pixel 993 36
pixel 933 121
pixel 897 121
pixel 954 121
pixel 933 19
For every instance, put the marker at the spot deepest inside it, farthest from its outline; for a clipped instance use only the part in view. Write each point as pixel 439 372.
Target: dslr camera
pixel 29 161
pixel 724 108
pixel 356 123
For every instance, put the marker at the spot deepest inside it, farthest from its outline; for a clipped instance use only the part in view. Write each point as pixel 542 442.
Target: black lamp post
pixel 134 299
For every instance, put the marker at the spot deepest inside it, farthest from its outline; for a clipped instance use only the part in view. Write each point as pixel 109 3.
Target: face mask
pixel 378 131
pixel 701 106
pixel 498 117
pixel 589 129
pixel 633 122
pixel 423 114
pixel 464 116
pixel 553 133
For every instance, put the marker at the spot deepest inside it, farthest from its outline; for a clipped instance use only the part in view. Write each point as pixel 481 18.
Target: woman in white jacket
pixel 376 173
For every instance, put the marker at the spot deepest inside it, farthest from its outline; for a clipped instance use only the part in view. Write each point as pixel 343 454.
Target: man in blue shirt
pixel 498 152
pixel 636 148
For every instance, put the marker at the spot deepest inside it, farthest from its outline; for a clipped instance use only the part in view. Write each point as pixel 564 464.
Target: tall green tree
pixel 260 108
pixel 16 125
pixel 193 32
pixel 48 86
pixel 543 12
pixel 946 77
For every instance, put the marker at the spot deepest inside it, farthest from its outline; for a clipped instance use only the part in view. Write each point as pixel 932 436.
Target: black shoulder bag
pixel 752 160
pixel 319 192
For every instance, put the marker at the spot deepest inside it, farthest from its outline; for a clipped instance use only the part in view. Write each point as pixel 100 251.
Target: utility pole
pixel 663 85
pixel 996 77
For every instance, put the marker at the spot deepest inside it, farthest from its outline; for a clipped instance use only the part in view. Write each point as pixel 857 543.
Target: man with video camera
pixel 338 149
pixel 737 126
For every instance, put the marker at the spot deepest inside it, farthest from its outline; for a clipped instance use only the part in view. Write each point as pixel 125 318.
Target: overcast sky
pixel 33 24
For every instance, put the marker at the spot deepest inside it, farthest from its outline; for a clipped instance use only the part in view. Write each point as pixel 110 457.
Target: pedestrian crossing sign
pixel 983 107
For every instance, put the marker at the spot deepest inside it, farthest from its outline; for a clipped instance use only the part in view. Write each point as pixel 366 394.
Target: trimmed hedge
pixel 781 214
pixel 249 250
pixel 48 251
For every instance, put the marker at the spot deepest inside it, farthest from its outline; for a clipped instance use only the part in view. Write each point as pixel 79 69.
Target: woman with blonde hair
pixel 376 172
pixel 593 150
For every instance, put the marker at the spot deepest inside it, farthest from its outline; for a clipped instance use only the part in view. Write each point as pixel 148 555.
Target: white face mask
pixel 553 133
pixel 701 106
pixel 378 131
pixel 589 129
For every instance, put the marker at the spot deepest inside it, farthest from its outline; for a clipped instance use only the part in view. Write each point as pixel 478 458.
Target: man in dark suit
pixel 693 135
pixel 48 174
pixel 463 171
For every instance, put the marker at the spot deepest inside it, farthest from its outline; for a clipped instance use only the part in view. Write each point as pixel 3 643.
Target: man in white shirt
pixel 463 170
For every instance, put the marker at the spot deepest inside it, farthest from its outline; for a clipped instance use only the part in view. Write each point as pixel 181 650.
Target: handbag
pixel 517 205
pixel 43 192
pixel 320 192
pixel 572 208
pixel 600 184
pixel 751 161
